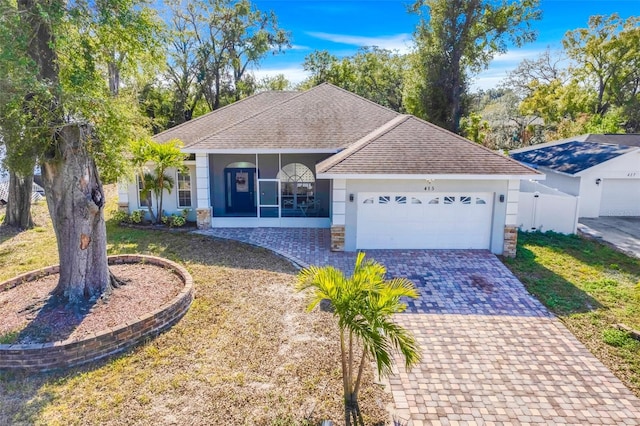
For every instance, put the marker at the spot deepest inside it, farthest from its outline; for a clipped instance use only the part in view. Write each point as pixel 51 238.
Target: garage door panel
pixel 620 197
pixel 424 221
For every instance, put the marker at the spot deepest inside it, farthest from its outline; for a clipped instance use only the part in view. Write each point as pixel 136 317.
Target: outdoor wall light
pixel 501 198
pixel 598 181
pixel 351 197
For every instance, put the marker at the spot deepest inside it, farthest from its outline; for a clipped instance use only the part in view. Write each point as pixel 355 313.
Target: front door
pixel 240 190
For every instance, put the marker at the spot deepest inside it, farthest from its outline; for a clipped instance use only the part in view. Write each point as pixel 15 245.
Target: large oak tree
pixel 67 118
pixel 456 39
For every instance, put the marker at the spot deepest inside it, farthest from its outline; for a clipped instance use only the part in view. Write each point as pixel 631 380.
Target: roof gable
pixel 214 121
pixel 572 157
pixel 410 146
pixel 324 117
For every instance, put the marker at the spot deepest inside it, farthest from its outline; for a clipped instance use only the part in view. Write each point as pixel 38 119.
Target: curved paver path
pixel 492 354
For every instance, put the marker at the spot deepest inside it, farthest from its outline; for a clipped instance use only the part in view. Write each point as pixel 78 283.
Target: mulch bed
pixel 32 314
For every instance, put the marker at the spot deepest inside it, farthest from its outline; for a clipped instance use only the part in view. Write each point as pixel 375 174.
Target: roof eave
pixel 260 150
pixel 329 175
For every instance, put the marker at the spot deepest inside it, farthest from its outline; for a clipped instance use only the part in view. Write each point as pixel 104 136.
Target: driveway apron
pixel 491 353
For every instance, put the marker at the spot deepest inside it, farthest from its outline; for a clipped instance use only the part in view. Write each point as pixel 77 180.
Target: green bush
pixel 174 220
pixel 137 216
pixel 119 216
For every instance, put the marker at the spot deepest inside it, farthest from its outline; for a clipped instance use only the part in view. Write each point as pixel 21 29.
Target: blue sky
pixel 341 27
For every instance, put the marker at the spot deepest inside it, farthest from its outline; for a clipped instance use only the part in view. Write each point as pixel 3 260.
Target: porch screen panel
pixel 268 166
pixel 269 195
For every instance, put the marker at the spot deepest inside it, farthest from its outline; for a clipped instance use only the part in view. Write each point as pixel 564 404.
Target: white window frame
pixel 188 173
pixel 139 191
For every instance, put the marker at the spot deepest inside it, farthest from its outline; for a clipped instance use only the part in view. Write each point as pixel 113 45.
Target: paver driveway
pixel 492 354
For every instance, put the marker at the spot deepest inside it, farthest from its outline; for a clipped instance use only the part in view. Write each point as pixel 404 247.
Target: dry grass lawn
pixel 246 353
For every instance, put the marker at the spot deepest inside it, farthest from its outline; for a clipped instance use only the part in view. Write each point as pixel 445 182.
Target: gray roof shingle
pixel 373 138
pixel 215 121
pixel 410 146
pixel 322 118
pixel 36 195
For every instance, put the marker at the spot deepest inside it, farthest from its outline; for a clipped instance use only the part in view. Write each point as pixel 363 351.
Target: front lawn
pixel 591 288
pixel 247 352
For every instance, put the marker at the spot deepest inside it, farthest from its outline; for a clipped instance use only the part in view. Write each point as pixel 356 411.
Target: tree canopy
pixel 455 40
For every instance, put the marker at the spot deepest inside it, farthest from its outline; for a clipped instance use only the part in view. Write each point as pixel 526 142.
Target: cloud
pixel 517 55
pixel 400 42
pixel 299 47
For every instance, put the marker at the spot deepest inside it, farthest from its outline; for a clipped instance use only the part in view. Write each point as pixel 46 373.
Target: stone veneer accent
pixel 106 343
pixel 510 241
pixel 337 238
pixel 203 218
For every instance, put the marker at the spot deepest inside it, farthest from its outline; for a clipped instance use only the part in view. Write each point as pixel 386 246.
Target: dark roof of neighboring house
pixel 36 195
pixel 573 156
pixel 408 145
pixel 629 139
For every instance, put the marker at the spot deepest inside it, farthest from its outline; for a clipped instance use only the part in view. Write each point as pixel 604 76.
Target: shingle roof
pixel 572 157
pixel 324 117
pixel 36 195
pixel 207 124
pixel 629 139
pixel 408 145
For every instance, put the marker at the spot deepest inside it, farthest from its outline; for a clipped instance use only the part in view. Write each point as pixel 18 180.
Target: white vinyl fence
pixel 541 208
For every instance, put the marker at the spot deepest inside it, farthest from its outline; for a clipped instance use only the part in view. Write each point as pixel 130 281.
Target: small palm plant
pixel 364 304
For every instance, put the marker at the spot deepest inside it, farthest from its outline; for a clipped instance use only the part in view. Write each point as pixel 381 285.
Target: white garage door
pixel 620 197
pixel 424 221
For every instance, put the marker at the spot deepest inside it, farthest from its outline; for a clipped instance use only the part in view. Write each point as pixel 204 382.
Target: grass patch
pixel 245 353
pixel 590 287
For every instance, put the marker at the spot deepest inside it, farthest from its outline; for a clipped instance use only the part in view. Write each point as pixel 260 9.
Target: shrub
pixel 174 220
pixel 137 216
pixel 119 216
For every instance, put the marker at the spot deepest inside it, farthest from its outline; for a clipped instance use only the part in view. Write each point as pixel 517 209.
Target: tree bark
pixel 76 205
pixel 74 192
pixel 18 213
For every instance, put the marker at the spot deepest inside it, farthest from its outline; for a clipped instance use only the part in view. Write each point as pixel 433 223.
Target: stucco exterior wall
pixel 498 187
pixel 563 183
pixel 625 167
pixel 169 200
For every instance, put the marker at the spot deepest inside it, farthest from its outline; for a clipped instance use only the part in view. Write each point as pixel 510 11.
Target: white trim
pixel 202 181
pixel 178 188
pixel 123 190
pixel 434 177
pixel 513 198
pixel 261 151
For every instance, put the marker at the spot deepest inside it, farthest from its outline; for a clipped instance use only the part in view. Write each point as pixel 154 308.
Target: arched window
pixel 298 186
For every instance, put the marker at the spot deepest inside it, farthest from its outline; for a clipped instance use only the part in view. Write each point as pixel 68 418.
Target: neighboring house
pixel 329 158
pixel 602 170
pixel 36 195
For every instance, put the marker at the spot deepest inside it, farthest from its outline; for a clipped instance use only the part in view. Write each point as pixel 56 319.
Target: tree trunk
pixel 18 213
pixel 114 78
pixel 76 205
pixel 74 192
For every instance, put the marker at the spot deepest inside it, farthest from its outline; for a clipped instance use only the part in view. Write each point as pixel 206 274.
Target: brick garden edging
pixel 108 342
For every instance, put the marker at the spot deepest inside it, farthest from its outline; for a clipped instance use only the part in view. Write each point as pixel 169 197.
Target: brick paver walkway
pixel 492 354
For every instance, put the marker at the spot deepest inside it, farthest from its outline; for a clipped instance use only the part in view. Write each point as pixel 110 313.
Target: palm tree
pixel 162 156
pixel 156 184
pixel 364 304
